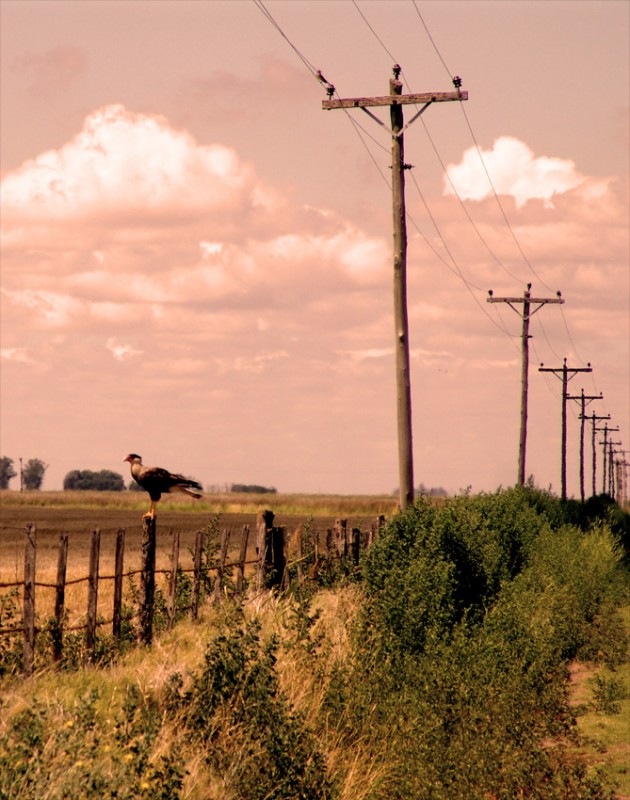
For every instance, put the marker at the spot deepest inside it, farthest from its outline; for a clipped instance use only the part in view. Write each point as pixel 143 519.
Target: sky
pixel 196 258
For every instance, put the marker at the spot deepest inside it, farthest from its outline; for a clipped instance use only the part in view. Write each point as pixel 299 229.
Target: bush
pixel 87 480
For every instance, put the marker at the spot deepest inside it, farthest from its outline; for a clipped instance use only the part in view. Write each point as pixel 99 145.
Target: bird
pixel 158 481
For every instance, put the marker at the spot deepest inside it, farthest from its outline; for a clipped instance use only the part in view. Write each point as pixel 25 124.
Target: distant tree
pixel 134 486
pixel 434 491
pixel 252 488
pixel 6 471
pixel 33 474
pixel 87 480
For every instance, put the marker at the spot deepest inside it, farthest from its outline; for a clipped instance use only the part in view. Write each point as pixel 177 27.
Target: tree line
pixel 104 480
pixel 31 474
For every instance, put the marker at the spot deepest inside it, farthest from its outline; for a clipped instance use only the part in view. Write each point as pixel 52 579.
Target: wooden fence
pixel 277 559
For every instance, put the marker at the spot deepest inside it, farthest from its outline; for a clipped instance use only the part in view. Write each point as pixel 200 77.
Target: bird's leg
pixel 151 512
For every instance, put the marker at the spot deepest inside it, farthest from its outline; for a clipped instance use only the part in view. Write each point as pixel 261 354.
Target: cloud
pixel 122 352
pixel 514 170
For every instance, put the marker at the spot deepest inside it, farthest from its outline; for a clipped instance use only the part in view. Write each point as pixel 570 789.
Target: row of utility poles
pixel 526 306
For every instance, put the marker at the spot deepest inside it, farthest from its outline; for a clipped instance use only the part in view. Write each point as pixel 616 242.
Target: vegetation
pixel 252 488
pixel 7 471
pixel 441 671
pixel 86 480
pixel 33 474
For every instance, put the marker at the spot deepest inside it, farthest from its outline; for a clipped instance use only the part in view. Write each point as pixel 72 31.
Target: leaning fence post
pixel 29 597
pixel 300 554
pixel 147 580
pixel 218 581
pixel 197 574
pixel 240 569
pixel 90 633
pixel 60 596
pixel 118 582
pixel 172 584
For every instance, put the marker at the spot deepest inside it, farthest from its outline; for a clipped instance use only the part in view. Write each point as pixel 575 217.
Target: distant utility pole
pixel 605 430
pixel 594 430
pixel 622 468
pixel 21 475
pixel 564 371
pixel 584 399
pixel 527 301
pixel 395 100
pixel 611 468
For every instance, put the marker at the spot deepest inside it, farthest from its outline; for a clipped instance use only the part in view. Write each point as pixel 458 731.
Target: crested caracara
pixel 157 481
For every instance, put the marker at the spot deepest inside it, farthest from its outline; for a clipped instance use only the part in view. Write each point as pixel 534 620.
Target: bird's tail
pixel 189 491
pixel 187 486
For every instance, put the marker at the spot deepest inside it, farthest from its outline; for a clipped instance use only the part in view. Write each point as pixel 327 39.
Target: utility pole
pixel 21 475
pixel 611 467
pixel 395 100
pixel 527 301
pixel 622 467
pixel 564 372
pixel 594 430
pixel 584 399
pixel 605 430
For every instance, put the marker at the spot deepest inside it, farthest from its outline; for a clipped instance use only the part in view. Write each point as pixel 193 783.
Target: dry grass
pixel 182 651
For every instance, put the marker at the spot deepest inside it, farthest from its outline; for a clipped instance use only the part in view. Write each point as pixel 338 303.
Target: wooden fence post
pixel 197 574
pixel 147 579
pixel 300 554
pixel 264 523
pixel 341 536
pixel 218 581
pixel 90 633
pixel 276 556
pixel 171 603
pixel 356 545
pixel 118 583
pixel 60 596
pixel 29 597
pixel 240 569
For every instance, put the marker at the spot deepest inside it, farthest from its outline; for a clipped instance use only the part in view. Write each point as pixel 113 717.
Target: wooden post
pixel 278 556
pixel 147 579
pixel 171 603
pixel 197 574
pixel 118 583
pixel 90 633
pixel 218 581
pixel 60 594
pixel 300 554
pixel 356 545
pixel 240 569
pixel 341 537
pixel 403 370
pixel 30 546
pixel 264 524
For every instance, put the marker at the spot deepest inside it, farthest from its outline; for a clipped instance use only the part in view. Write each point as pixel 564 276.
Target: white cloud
pixel 122 352
pixel 130 166
pixel 16 354
pixel 514 170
